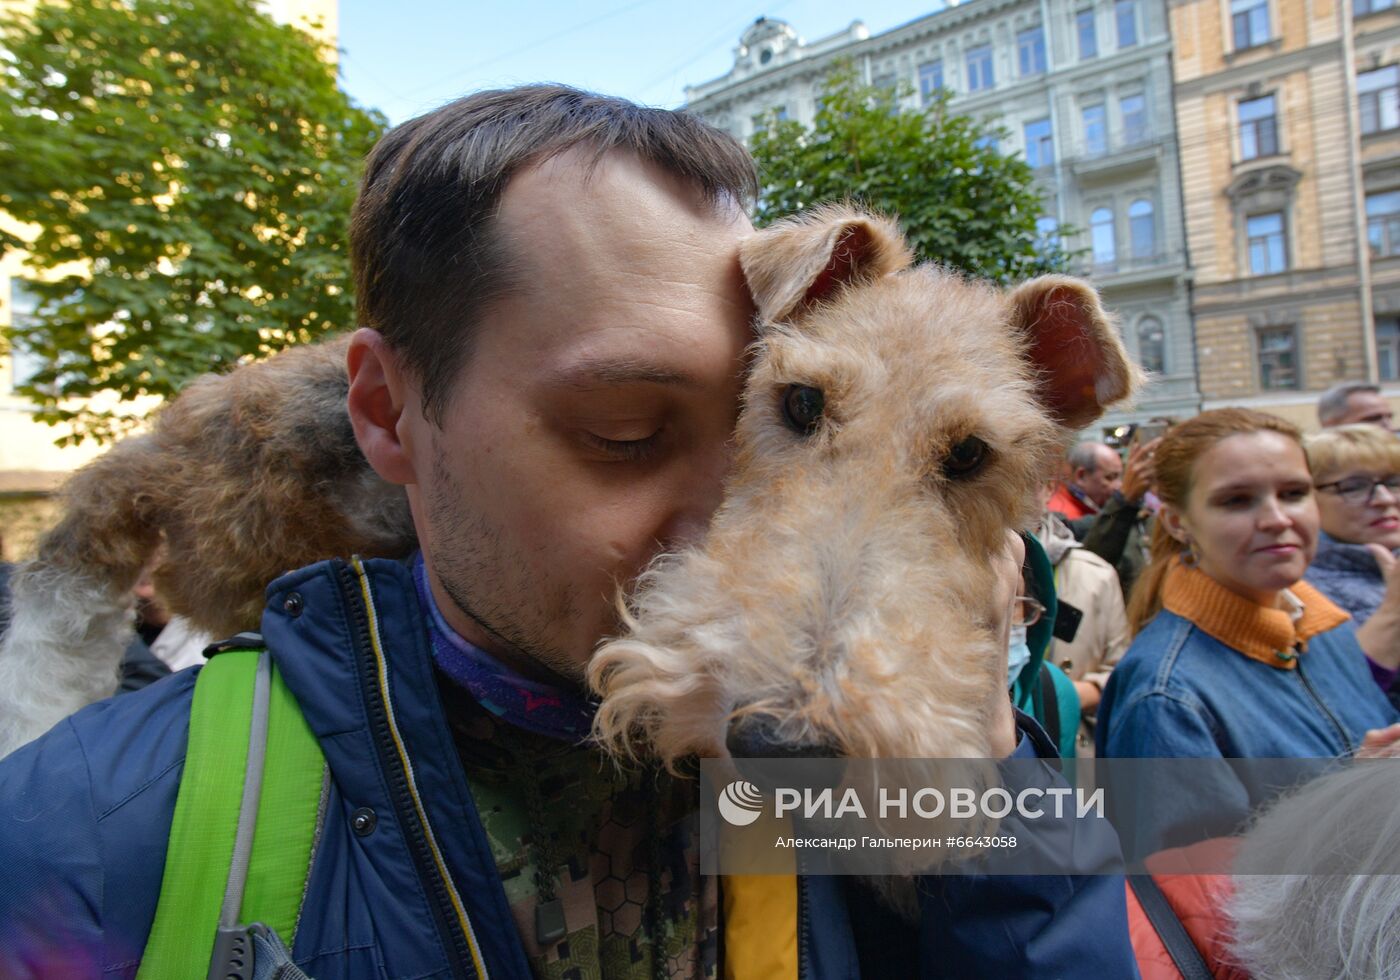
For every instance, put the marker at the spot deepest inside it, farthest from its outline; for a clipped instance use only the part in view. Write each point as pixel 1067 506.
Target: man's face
pixel 1367 406
pixel 589 428
pixel 1107 477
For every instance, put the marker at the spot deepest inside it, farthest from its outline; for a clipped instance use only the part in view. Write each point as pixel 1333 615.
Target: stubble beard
pixel 491 584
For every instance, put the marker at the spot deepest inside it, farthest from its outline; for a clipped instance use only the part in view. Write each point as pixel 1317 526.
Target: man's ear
pixel 377 401
pixel 1080 365
pixel 804 260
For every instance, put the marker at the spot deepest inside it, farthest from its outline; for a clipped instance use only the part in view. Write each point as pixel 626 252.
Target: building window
pixel 1040 143
pixel 979 68
pixel 1379 95
pixel 1383 223
pixel 930 80
pixel 1095 130
pixel 1125 15
pixel 987 142
pixel 888 80
pixel 1267 254
pixel 1142 230
pixel 1152 345
pixel 1030 50
pixel 1101 238
pixel 1088 35
pixel 1249 22
pixel 1134 110
pixel 1258 128
pixel 1278 358
pixel 1371 6
pixel 1388 348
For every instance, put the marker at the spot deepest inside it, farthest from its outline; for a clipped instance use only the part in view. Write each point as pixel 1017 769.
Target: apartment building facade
pixel 1288 116
pixel 1084 90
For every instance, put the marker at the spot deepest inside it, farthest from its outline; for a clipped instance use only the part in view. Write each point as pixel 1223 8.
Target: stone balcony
pixel 1128 270
pixel 1120 158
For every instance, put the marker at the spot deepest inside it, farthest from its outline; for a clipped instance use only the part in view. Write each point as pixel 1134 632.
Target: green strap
pixel 205 823
pixel 289 816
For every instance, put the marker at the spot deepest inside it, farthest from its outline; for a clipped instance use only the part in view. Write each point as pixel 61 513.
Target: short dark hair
pixel 426 253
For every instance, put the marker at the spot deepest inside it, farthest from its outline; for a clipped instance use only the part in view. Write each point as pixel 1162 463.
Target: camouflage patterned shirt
pixel 623 845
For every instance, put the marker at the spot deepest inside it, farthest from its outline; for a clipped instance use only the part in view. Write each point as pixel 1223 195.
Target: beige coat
pixel 1090 584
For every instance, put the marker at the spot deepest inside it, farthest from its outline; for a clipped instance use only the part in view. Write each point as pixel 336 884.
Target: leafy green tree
pixel 960 201
pixel 197 161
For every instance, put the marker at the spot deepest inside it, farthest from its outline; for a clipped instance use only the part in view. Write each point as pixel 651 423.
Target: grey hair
pixel 1085 456
pixel 1332 404
pixel 1319 922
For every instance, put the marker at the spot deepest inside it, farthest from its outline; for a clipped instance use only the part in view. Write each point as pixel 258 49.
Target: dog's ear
pixel 804 260
pixel 1080 365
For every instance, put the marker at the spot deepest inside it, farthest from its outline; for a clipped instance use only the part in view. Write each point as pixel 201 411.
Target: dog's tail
pixel 71 605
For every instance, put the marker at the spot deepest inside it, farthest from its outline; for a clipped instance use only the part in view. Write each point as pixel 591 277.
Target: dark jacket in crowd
pixel 1118 534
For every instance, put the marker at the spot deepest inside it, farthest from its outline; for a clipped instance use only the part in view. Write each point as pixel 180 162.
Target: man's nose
pixel 699 490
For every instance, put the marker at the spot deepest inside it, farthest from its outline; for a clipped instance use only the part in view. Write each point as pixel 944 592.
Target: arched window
pixel 1142 229
pixel 1101 238
pixel 1152 345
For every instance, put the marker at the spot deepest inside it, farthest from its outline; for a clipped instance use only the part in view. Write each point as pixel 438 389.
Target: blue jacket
pixel 1179 693
pixel 1348 575
pixel 85 814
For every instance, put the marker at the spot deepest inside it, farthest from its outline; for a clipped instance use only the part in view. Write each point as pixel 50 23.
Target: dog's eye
pixel 965 459
pixel 802 408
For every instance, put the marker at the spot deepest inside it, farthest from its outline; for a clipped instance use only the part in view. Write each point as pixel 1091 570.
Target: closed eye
pixel 625 450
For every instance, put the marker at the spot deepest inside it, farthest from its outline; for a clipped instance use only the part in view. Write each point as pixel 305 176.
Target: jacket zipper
pixel 453 937
pixel 804 922
pixel 1307 685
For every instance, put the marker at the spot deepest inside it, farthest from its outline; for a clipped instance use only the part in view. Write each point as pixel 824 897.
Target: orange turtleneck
pixel 1270 636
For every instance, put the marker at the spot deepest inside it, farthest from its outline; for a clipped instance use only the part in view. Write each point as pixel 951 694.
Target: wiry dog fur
pixel 841 600
pixel 242 477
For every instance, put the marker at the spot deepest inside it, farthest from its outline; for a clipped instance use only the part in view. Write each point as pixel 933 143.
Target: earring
pixel 1188 557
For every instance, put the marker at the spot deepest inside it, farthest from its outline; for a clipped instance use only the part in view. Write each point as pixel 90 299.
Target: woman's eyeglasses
pixel 1362 489
pixel 1026 611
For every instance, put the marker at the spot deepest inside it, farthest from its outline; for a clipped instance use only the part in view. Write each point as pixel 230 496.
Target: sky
pixel 408 56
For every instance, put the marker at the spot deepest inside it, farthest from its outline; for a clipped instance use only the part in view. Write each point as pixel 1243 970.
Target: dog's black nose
pixel 757 738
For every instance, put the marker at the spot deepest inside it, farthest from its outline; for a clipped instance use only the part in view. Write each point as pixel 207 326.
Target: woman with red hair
pixel 1234 656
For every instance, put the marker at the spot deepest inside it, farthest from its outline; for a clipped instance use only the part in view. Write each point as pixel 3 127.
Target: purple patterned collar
pixel 554 712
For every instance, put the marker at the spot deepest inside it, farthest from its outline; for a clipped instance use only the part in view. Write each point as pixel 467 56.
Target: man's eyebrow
pixel 605 372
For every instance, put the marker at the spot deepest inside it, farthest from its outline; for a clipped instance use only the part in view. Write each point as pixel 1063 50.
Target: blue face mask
pixel 1018 654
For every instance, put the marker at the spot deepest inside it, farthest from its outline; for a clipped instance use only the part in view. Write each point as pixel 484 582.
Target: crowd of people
pixel 1262 626
pixel 534 257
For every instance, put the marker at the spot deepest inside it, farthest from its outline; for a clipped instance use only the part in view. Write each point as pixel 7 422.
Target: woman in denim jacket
pixel 1234 656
